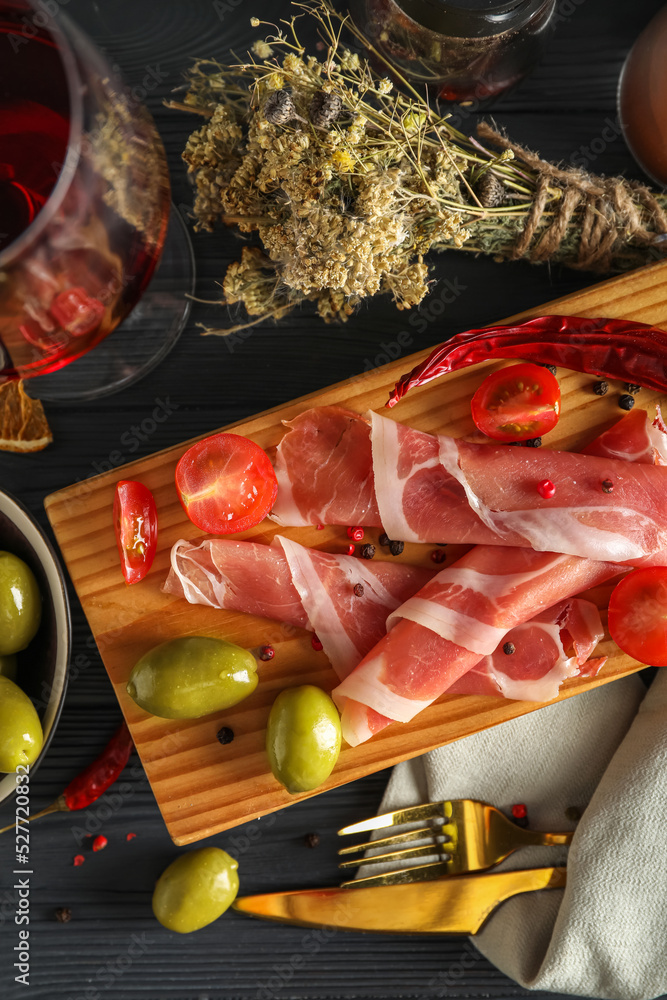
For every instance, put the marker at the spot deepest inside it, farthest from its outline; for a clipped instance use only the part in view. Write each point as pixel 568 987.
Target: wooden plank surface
pixel 201 786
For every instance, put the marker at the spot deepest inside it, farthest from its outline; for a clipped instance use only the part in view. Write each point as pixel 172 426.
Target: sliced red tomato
pixel 226 484
pixel 135 523
pixel 517 403
pixel 638 615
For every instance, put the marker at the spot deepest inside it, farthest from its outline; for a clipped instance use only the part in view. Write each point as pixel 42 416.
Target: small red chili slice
pixel 135 524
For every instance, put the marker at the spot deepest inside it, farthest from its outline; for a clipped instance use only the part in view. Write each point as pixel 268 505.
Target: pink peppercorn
pixel 315 643
pixel 100 843
pixel 357 534
pixel 519 811
pixel 78 860
pixel 438 556
pixel 351 549
pixel 130 836
pixel 546 489
pixel 266 652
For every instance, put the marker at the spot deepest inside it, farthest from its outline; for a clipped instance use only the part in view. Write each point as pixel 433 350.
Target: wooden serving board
pixel 203 787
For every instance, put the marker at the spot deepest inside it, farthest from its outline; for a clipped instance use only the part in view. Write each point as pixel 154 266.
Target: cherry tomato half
pixel 135 523
pixel 517 403
pixel 638 615
pixel 226 484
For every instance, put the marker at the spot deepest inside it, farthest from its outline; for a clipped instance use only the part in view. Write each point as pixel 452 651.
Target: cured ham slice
pixel 324 470
pixel 425 488
pixel 459 617
pixel 634 438
pixel 538 663
pixel 297 586
pixel 316 590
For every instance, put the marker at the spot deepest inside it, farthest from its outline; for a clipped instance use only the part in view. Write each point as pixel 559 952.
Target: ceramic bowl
pixel 43 666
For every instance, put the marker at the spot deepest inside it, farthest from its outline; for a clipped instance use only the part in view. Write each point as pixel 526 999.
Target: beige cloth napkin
pixel 605 934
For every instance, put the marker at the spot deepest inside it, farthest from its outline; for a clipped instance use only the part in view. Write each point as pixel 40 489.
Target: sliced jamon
pixel 345 600
pixel 431 489
pixel 634 438
pixel 457 618
pixel 324 470
pixel 239 576
pixel 531 663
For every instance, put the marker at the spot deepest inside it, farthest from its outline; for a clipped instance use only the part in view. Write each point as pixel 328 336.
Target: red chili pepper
pixel 135 525
pixel 613 348
pixel 94 780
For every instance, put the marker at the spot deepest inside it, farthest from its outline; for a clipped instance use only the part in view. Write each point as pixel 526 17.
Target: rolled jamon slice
pixel 458 618
pixel 531 662
pixel 633 438
pixel 345 600
pixel 427 488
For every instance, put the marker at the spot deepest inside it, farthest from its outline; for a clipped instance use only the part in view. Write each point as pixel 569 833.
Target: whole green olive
pixel 303 737
pixel 192 676
pixel 20 604
pixel 8 665
pixel 195 889
pixel 21 736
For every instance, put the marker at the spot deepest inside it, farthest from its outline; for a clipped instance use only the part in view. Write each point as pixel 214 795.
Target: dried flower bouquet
pixel 349 181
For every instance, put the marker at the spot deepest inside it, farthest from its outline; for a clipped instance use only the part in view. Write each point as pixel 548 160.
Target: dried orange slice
pixel 23 424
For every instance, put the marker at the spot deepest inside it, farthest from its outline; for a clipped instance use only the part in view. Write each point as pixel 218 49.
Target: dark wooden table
pixel 113 947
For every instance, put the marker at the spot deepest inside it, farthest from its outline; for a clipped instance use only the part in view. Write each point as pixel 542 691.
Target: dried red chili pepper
pixel 613 348
pixel 95 779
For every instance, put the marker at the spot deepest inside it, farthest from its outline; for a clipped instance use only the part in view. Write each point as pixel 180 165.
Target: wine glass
pixel 84 215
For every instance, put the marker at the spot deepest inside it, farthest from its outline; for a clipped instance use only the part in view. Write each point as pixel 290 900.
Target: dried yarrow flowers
pixel 349 181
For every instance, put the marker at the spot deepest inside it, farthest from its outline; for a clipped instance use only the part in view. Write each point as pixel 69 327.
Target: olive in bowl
pixel 40 641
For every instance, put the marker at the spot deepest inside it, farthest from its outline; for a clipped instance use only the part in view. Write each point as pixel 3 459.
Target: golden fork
pixel 466 834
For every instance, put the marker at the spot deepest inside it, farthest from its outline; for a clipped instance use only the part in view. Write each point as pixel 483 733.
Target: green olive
pixel 303 737
pixel 21 736
pixel 8 666
pixel 195 889
pixel 20 604
pixel 192 676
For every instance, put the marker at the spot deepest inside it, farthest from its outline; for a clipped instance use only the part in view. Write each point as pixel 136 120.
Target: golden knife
pixel 457 904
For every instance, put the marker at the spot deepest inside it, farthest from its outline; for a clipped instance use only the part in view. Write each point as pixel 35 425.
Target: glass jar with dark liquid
pixel 467 51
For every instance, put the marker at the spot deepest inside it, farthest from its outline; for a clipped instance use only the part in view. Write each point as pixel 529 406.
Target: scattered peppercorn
pixel 573 813
pixel 626 402
pixel 600 388
pixel 550 368
pixel 519 810
pixel 100 843
pixel 515 444
pixel 533 443
pixel 131 836
pixel 384 539
pixel 356 534
pixel 633 387
pixel 546 488
pixel 367 551
pixel 607 486
pixel 351 549
pixel 319 527
pixel 437 556
pixel 441 544
pixel 358 590
pixel 312 839
pixel 224 736
pixel 509 648
pixel 396 548
pixel 78 860
pixel 315 643
pixel 266 653
pixel 63 914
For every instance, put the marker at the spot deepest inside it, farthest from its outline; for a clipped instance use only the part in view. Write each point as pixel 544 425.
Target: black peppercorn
pixel 550 368
pixel 600 388
pixel 533 443
pixel 384 539
pixel 367 551
pixel 521 821
pixel 632 387
pixel 312 839
pixel 396 548
pixel 437 556
pixel 626 402
pixel 225 735
pixel 63 914
pixel 509 648
pixel 573 813
pixel 607 486
pixel 358 590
